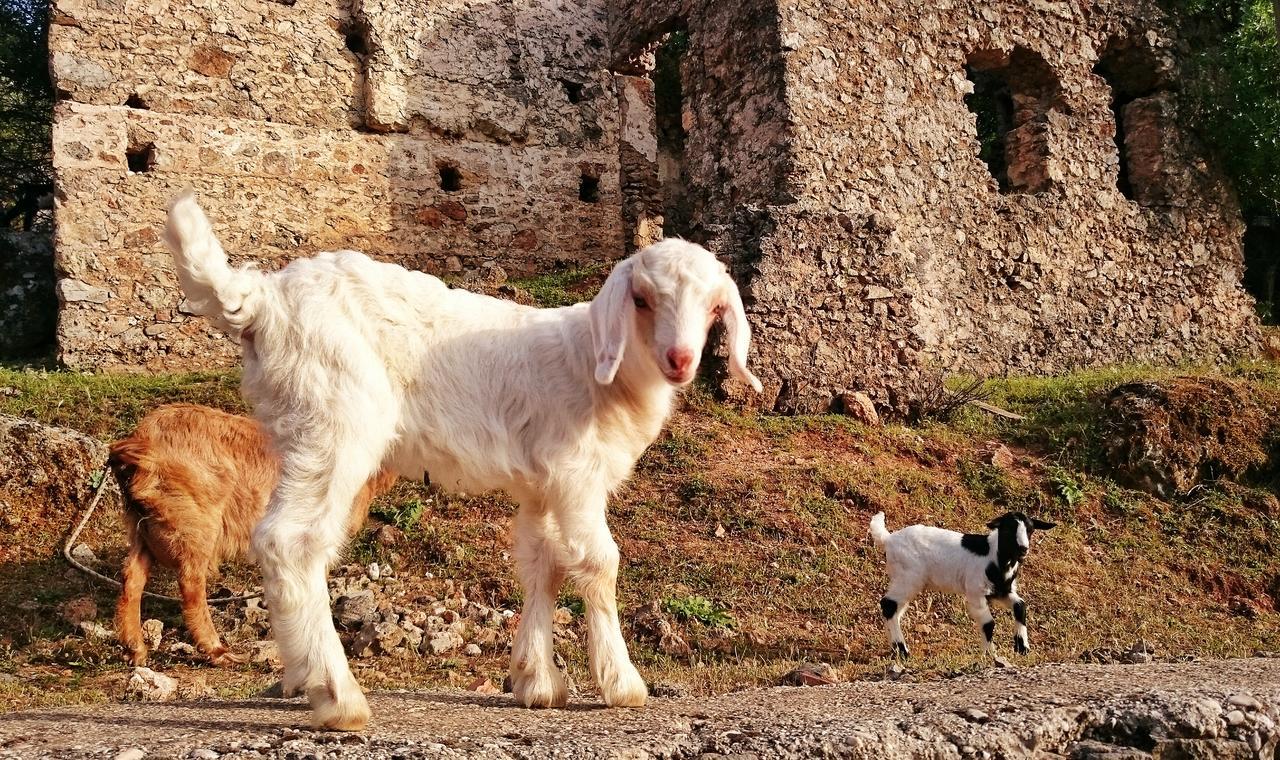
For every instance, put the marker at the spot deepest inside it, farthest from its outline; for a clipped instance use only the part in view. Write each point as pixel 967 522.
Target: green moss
pixel 563 288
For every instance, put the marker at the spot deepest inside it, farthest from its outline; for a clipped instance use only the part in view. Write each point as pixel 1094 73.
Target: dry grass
pixel 765 518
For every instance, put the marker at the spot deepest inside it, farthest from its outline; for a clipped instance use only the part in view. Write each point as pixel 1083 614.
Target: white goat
pixel 353 365
pixel 983 567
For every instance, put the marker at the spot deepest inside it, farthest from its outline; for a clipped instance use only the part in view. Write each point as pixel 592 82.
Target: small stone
pixel 147 685
pixel 388 535
pixel 894 671
pixel 720 531
pixel 72 290
pixel 355 608
pixel 876 293
pixel 373 571
pixel 1142 645
pixel 859 406
pixel 78 610
pixel 1000 662
pixel 134 753
pixel 1234 718
pixel 563 616
pixel 202 754
pixel 999 456
pixel 483 685
pixel 1244 701
pixel 182 649
pixel 974 715
pixel 388 635
pixel 444 641
pixel 152 631
pixel 472 650
pixel 811 674
pixel 93 630
pixel 84 555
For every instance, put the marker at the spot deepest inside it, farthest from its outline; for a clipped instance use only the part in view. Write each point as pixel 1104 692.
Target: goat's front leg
pixel 1021 644
pixel 535 680
pixel 1014 602
pixel 590 555
pixel 980 613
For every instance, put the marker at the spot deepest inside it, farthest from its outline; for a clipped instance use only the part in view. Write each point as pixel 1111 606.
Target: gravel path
pixel 1226 708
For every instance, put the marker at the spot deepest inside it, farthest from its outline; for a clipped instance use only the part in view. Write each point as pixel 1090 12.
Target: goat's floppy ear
pixel 737 334
pixel 1041 524
pixel 995 523
pixel 611 311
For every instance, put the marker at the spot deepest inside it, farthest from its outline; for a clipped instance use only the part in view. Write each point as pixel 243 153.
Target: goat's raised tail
pixel 879 534
pixel 212 287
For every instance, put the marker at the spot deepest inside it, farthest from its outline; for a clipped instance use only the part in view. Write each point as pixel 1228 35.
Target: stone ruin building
pixel 903 189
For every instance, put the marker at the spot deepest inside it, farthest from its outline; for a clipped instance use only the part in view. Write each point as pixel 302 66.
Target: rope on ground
pixel 71 541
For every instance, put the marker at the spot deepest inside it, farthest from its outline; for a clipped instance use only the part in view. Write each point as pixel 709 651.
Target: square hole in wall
pixel 450 178
pixel 573 90
pixel 140 158
pixel 589 189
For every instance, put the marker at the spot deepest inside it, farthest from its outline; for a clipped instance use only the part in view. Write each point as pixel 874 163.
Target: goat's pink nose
pixel 680 358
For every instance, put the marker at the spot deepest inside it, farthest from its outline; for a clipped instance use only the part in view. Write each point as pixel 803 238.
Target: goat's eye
pixel 641 303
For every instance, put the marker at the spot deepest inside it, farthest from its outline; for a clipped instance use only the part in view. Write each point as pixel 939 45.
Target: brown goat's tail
pixel 124 457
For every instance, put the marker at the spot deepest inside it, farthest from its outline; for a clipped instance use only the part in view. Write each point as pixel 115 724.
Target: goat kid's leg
pixel 137 567
pixel 195 611
pixel 893 605
pixel 295 560
pixel 535 679
pixel 590 555
pixel 980 614
pixel 1021 644
pixel 300 536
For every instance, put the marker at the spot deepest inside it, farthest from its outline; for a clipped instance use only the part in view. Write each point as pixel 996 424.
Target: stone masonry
pixel 842 175
pixel 903 190
pixel 478 139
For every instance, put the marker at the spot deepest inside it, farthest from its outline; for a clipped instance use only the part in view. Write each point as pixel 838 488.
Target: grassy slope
pixel 791 566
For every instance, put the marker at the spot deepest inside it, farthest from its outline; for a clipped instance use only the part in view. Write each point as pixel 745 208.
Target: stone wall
pixel 878 251
pixel 903 190
pixel 1065 270
pixel 475 141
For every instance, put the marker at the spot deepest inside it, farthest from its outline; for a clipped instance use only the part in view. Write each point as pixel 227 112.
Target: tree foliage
pixel 26 111
pixel 1233 79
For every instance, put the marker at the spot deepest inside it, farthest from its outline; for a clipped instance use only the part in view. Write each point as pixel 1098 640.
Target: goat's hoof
pixel 625 690
pixel 228 659
pixel 546 689
pixel 900 651
pixel 338 708
pixel 1021 647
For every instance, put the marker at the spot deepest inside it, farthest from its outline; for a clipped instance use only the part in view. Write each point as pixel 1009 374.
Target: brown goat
pixel 195 482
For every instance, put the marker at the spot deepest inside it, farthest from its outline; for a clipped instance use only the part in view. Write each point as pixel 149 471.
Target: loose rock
pixel 147 685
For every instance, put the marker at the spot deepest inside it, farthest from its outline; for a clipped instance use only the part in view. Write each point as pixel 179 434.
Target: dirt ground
pixel 1207 709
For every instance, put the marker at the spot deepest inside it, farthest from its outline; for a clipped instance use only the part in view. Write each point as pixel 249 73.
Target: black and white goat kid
pixel 981 567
